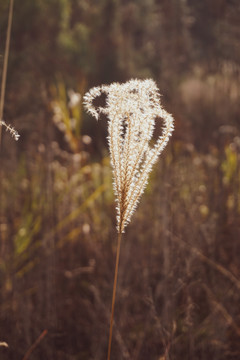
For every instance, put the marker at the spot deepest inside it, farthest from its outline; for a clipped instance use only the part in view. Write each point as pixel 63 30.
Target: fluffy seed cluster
pixel 9 128
pixel 132 109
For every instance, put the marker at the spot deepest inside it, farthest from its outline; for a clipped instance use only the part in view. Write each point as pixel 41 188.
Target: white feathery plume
pixel 132 109
pixel 9 128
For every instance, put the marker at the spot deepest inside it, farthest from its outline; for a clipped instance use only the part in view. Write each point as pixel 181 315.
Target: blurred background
pixel 178 293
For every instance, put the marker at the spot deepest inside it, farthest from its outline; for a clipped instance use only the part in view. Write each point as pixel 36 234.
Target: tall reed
pixel 9 128
pixel 132 109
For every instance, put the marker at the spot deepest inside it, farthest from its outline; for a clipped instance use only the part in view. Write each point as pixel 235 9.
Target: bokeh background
pixel 178 294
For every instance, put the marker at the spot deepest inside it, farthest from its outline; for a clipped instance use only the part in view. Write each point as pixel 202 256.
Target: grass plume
pixel 11 130
pixel 132 109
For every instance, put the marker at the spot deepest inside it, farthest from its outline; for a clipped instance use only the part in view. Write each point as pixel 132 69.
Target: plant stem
pixel 5 62
pixel 114 293
pixel 35 344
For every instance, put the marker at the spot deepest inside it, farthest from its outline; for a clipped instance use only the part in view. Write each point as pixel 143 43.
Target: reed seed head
pixel 9 128
pixel 132 109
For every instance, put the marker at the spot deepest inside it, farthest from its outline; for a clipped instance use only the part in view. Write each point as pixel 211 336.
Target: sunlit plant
pixel 132 109
pixel 11 130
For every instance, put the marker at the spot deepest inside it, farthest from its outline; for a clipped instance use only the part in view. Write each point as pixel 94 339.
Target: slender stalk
pixel 114 294
pixel 35 344
pixel 5 63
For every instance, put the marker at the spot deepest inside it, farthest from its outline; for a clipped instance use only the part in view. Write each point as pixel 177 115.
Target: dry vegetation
pixel 179 279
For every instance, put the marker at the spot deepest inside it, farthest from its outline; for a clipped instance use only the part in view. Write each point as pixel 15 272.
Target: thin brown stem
pixel 5 63
pixel 114 294
pixel 35 344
